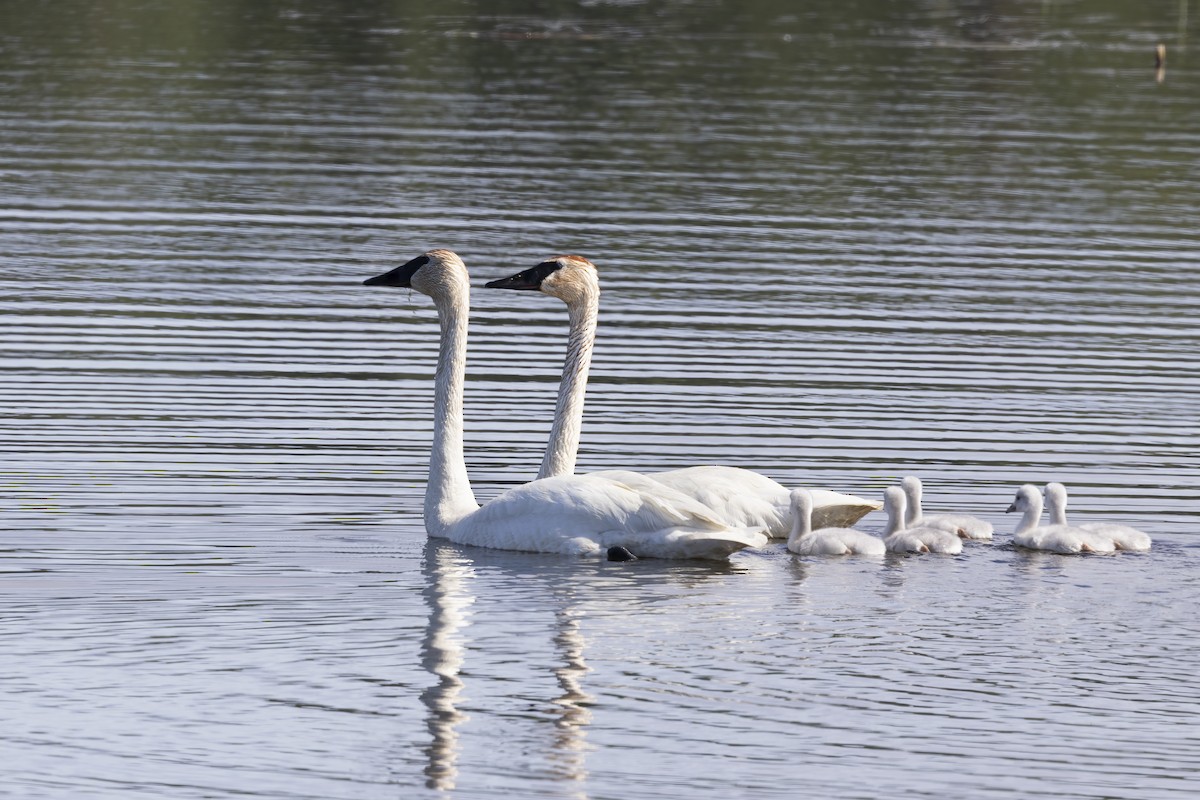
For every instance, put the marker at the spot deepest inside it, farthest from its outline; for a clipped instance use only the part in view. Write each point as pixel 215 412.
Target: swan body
pixel 826 541
pixel 962 525
pixel 916 539
pixel 741 498
pixel 576 515
pixel 1123 537
pixel 1055 538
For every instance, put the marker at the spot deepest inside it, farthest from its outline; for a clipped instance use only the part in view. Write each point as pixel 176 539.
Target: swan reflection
pixel 447 574
pixel 450 574
pixel 573 713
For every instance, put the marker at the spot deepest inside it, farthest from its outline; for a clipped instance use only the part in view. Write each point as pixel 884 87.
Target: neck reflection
pixel 446 592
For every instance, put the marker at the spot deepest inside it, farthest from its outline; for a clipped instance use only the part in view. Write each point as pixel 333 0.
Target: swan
pixel 962 525
pixel 1123 537
pixel 1065 539
pixel 826 541
pixel 741 497
pixel 918 539
pixel 581 515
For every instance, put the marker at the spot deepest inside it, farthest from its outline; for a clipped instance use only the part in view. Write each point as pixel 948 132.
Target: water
pixel 837 246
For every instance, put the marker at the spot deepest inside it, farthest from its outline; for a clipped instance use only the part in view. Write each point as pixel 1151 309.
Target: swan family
pixel 705 511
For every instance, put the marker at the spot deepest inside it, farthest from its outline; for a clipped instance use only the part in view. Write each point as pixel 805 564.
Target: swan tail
pixel 839 511
pixel 689 543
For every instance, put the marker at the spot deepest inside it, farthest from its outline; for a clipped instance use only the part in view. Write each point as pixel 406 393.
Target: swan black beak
pixel 401 276
pixel 529 280
pixel 1011 508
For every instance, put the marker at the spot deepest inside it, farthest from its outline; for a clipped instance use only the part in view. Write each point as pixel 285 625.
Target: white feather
pixel 1122 537
pixel 826 541
pixel 917 539
pixel 962 525
pixel 1055 538
pixel 740 497
pixel 575 515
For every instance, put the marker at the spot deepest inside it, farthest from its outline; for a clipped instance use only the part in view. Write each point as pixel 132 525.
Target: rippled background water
pixel 839 246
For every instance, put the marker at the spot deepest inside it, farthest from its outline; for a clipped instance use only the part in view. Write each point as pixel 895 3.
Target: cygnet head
pixel 1027 499
pixel 802 502
pixel 1056 495
pixel 571 279
pixel 894 503
pixel 437 273
pixel 1056 503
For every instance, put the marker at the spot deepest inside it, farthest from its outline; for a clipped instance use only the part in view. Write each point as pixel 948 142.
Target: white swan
pixel 575 515
pixel 1054 538
pixel 919 539
pixel 741 497
pixel 826 541
pixel 962 525
pixel 1123 537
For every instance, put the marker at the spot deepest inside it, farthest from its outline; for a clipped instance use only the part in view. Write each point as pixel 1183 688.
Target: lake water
pixel 956 240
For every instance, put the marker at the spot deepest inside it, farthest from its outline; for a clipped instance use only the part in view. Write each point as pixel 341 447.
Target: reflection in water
pixel 449 597
pixel 958 254
pixel 569 743
pixel 447 573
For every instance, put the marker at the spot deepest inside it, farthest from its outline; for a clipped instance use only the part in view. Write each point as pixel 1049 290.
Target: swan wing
pixel 963 525
pixel 586 515
pixel 1123 537
pixel 747 498
pixel 840 541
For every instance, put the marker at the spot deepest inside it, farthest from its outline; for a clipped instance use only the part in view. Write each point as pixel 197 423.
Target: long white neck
pixel 801 523
pixel 1056 508
pixel 895 504
pixel 1033 513
pixel 448 496
pixel 913 512
pixel 568 412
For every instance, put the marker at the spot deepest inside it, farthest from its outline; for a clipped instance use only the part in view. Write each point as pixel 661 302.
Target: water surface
pixel 836 246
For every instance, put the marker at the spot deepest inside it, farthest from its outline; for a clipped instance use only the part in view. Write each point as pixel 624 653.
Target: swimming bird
pixel 740 497
pixel 581 515
pixel 918 539
pixel 1065 539
pixel 826 541
pixel 962 525
pixel 1123 537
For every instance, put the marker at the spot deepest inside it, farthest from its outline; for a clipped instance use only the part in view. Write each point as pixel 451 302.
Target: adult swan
pixel 740 497
pixel 574 515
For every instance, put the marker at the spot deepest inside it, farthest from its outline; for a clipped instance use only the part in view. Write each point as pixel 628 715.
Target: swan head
pixel 437 273
pixel 911 485
pixel 572 279
pixel 1028 498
